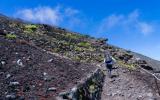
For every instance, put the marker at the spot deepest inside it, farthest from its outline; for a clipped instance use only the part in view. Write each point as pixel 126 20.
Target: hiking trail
pixel 127 85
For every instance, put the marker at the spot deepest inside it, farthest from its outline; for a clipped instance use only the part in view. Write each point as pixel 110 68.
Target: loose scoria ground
pixel 31 73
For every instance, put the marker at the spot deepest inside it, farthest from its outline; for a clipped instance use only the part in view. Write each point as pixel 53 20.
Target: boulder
pixel 102 41
pixel 141 62
pixel 146 66
pixel 121 57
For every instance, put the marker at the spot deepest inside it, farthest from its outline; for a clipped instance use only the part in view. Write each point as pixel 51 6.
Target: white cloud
pixel 74 19
pixel 129 24
pixel 71 12
pixel 146 28
pixel 62 16
pixel 44 15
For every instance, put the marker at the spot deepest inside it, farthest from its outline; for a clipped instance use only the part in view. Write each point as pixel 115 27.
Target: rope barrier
pixel 153 74
pixel 155 77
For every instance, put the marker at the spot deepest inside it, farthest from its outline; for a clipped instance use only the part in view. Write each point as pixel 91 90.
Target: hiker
pixel 109 61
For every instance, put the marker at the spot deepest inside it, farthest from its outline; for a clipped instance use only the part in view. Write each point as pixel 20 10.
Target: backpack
pixel 108 61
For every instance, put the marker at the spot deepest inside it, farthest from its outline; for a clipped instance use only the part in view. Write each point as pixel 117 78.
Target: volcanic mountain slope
pixel 29 72
pixel 39 61
pixel 75 46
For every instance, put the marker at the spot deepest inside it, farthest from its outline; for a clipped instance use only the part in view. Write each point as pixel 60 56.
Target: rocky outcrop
pixel 144 64
pixel 89 89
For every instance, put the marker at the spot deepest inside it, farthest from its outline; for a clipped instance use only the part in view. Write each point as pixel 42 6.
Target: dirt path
pixel 125 86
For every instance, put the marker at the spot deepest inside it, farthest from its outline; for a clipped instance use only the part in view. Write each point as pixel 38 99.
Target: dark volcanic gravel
pixel 30 73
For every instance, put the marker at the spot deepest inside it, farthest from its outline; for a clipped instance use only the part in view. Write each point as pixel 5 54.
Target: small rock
pixel 64 95
pixel 113 94
pixel 16 53
pixel 129 95
pixel 11 97
pixel 2 32
pixel 33 86
pixel 137 59
pixel 44 73
pixel 13 83
pixel 50 60
pixel 140 96
pixel 109 94
pixel 118 92
pixel 74 89
pixel 47 77
pixel 52 89
pixel 8 76
pixel 40 84
pixel 44 50
pixel 28 58
pixel 83 69
pixel 124 71
pixel 3 62
pixel 149 94
pixel 112 80
pixel 19 62
pixel 1 73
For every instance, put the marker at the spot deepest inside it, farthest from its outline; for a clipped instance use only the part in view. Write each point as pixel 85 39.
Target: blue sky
pixel 130 24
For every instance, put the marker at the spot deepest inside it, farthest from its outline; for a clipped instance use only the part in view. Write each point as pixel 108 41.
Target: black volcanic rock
pixel 2 32
pixel 146 66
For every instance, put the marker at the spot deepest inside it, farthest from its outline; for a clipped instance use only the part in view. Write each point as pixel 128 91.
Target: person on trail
pixel 109 61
